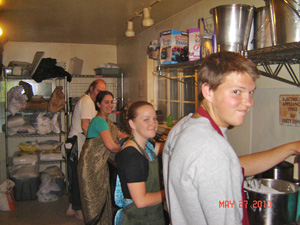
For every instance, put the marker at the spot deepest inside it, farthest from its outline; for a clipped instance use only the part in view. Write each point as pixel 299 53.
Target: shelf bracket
pixel 268 72
pixel 281 55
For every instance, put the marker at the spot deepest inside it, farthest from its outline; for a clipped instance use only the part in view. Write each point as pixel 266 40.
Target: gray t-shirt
pixel 201 172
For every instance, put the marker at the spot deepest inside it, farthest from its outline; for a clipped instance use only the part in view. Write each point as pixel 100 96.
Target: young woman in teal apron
pixel 139 179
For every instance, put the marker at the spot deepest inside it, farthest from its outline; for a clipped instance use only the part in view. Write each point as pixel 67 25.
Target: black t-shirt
pixel 132 167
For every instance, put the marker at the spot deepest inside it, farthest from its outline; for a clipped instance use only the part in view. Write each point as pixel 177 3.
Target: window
pixel 176 90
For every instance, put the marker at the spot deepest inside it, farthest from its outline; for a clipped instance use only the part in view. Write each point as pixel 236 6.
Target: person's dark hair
pixel 100 96
pixel 93 85
pixel 215 67
pixel 132 110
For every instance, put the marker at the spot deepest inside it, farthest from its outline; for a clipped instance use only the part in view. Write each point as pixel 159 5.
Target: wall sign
pixel 289 110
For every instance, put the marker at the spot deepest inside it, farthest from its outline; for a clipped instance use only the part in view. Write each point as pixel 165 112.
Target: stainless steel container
pixel 282 171
pixel 273 208
pixel 285 20
pixel 262 28
pixel 232 26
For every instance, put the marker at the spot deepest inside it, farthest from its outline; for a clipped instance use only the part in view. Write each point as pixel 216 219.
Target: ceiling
pixel 79 21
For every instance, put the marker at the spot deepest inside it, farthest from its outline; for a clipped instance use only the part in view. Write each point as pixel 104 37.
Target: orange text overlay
pixel 255 204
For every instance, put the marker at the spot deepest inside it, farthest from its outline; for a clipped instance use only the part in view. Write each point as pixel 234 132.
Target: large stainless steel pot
pixel 272 208
pixel 282 171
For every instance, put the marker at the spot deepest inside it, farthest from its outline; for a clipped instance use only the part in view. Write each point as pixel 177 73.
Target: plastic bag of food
pixel 24 171
pixel 15 121
pixel 42 123
pixel 47 185
pixel 51 155
pixel 22 158
pixel 54 124
pixel 57 100
pixel 28 146
pixel 24 129
pixel 7 201
pixel 48 145
pixel 16 100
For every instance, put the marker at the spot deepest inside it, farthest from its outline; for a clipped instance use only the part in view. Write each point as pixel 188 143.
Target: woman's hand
pixel 122 135
pixel 108 141
pixel 123 140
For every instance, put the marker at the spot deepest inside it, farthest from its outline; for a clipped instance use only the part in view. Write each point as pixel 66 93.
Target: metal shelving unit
pixel 281 56
pixel 63 116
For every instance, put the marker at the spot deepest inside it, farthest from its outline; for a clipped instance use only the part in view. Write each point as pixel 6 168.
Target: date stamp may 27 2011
pixel 244 204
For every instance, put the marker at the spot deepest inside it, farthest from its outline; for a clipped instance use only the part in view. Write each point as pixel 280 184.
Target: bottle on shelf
pixel 170 120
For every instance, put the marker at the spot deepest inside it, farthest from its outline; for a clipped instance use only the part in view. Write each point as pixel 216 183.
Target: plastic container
pixel 170 120
pixel 26 188
pixel 75 66
pixel 107 71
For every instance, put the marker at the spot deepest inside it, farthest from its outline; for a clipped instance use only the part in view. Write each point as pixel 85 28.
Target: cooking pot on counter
pixel 268 207
pixel 282 171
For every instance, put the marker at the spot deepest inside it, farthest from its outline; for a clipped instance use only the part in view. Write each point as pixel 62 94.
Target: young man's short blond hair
pixel 215 67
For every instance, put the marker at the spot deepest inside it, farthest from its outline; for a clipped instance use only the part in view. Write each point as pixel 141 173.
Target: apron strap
pixel 149 149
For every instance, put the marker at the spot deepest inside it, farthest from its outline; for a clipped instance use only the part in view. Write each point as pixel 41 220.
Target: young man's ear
pixel 206 91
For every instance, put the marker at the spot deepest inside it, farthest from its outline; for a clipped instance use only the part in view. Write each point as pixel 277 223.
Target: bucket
pixel 285 20
pixel 262 28
pixel 232 26
pixel 268 208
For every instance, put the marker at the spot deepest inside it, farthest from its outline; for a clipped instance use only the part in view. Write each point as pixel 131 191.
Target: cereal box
pixel 194 44
pixel 173 46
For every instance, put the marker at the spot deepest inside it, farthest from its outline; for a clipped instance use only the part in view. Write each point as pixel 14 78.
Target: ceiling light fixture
pixel 147 20
pixel 129 32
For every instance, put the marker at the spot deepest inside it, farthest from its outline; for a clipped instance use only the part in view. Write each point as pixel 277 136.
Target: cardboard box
pixel 154 49
pixel 173 46
pixel 194 44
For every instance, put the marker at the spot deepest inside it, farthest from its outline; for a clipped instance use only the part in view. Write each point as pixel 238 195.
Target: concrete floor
pixel 39 213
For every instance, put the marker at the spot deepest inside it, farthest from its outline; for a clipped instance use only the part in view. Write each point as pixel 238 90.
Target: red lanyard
pixel 205 114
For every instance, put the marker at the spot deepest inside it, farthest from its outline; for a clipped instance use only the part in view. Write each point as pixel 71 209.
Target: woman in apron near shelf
pixel 93 171
pixel 139 191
